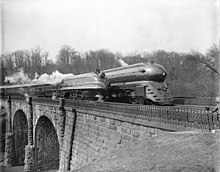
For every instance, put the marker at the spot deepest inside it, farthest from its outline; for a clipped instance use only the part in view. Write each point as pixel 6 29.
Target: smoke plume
pixel 122 62
pixel 18 78
pixel 21 78
pixel 54 78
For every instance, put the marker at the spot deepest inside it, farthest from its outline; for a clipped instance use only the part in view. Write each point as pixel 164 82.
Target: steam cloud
pixel 54 78
pixel 18 78
pixel 122 62
pixel 21 78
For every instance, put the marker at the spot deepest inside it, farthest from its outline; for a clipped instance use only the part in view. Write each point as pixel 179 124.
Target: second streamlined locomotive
pixel 142 83
pixel 89 86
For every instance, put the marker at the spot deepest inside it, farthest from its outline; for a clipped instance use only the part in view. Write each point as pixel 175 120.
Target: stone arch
pixel 3 122
pixel 47 145
pixel 53 120
pixel 20 137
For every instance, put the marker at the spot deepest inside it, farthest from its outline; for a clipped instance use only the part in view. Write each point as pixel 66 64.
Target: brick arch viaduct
pixel 49 135
pixel 33 137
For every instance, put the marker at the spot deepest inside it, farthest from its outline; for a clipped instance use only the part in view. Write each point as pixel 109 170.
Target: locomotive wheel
pixel 137 100
pixel 67 96
pixel 140 100
pixel 133 100
pixel 149 102
pixel 81 96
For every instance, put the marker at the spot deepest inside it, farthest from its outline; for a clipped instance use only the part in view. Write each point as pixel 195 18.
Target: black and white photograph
pixel 109 86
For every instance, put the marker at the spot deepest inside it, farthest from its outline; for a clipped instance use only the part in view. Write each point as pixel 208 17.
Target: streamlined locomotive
pixel 142 83
pixel 89 86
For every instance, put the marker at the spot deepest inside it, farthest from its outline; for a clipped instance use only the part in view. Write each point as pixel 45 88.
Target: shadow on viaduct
pixel 52 136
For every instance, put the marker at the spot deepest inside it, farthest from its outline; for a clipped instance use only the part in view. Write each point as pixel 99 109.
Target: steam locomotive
pixel 90 86
pixel 139 84
pixel 142 83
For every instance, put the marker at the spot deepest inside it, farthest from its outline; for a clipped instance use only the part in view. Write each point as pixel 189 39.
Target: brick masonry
pixel 8 157
pixel 46 146
pixel 95 135
pixel 67 138
pixel 2 132
pixel 20 137
pixel 29 158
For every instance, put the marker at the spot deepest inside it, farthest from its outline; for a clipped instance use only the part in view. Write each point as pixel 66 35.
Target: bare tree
pixel 65 58
pixel 38 60
pixel 31 61
pixel 209 61
pixel 101 59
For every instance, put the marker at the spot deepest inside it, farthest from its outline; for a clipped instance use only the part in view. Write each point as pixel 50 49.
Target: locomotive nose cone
pixel 156 72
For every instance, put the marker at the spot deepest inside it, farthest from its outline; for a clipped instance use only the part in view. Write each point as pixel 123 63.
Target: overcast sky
pixel 117 25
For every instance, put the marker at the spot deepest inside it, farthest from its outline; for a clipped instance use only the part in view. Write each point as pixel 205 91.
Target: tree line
pixel 189 74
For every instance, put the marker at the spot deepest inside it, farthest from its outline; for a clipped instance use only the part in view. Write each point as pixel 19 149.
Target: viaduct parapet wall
pixel 96 133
